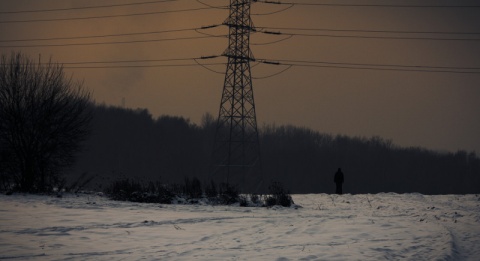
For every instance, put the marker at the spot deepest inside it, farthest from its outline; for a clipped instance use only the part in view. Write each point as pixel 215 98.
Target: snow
pixel 327 227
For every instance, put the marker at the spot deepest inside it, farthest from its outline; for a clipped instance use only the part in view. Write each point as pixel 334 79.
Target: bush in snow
pixel 243 200
pixel 191 193
pixel 228 194
pixel 123 189
pixel 130 190
pixel 193 188
pixel 255 199
pixel 278 196
pixel 211 190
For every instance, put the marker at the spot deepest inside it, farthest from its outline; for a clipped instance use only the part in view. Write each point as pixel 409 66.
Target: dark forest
pixel 128 143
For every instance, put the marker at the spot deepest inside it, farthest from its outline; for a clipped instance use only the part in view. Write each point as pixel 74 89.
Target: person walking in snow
pixel 338 179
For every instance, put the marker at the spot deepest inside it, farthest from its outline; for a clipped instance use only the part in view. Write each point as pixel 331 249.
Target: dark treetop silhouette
pixel 44 117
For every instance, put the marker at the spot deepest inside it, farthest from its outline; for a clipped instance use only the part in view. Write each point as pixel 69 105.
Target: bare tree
pixel 44 117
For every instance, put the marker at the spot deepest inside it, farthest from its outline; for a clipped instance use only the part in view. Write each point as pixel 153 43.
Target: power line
pixel 268 61
pixel 141 60
pixel 273 42
pixel 275 74
pixel 131 61
pixel 366 5
pixel 212 6
pixel 145 60
pixel 363 30
pixel 77 65
pixel 275 12
pixel 381 37
pixel 284 64
pixel 381 69
pixel 140 66
pixel 281 62
pixel 113 42
pixel 103 36
pixel 205 67
pixel 106 16
pixel 85 7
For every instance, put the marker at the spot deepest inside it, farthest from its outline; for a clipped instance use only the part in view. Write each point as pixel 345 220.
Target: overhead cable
pixel 366 5
pixel 272 75
pixel 205 67
pixel 281 62
pixel 138 66
pixel 266 28
pixel 369 66
pixel 274 12
pixel 86 7
pixel 112 42
pixel 101 36
pixel 104 16
pixel 273 42
pixel 383 37
pixel 212 6
pixel 382 69
pixel 277 61
pixel 129 61
pixel 369 36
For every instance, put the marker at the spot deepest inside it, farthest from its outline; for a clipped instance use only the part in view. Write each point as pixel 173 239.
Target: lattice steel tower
pixel 236 155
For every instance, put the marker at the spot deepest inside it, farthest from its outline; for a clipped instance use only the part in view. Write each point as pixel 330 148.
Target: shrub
pixel 157 192
pixel 243 200
pixel 130 190
pixel 278 196
pixel 228 194
pixel 255 198
pixel 193 188
pixel 123 189
pixel 211 190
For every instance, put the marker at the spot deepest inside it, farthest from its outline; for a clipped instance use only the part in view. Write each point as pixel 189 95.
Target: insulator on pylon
pixel 209 57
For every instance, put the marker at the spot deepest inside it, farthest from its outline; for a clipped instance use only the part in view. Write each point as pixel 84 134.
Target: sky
pixel 434 110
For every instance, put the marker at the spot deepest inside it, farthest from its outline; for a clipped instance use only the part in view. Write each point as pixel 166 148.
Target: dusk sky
pixel 431 98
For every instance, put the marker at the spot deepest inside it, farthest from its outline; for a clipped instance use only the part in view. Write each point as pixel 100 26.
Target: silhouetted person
pixel 338 179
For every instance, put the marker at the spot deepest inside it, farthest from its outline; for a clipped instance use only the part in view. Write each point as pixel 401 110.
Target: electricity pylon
pixel 236 155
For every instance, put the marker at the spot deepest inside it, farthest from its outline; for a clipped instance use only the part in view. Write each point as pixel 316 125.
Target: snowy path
pixel 328 227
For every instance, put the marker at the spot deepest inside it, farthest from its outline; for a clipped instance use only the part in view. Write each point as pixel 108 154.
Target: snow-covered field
pixel 328 227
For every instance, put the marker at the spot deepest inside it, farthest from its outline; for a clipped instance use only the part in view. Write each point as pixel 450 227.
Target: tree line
pixel 127 143
pixel 48 122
